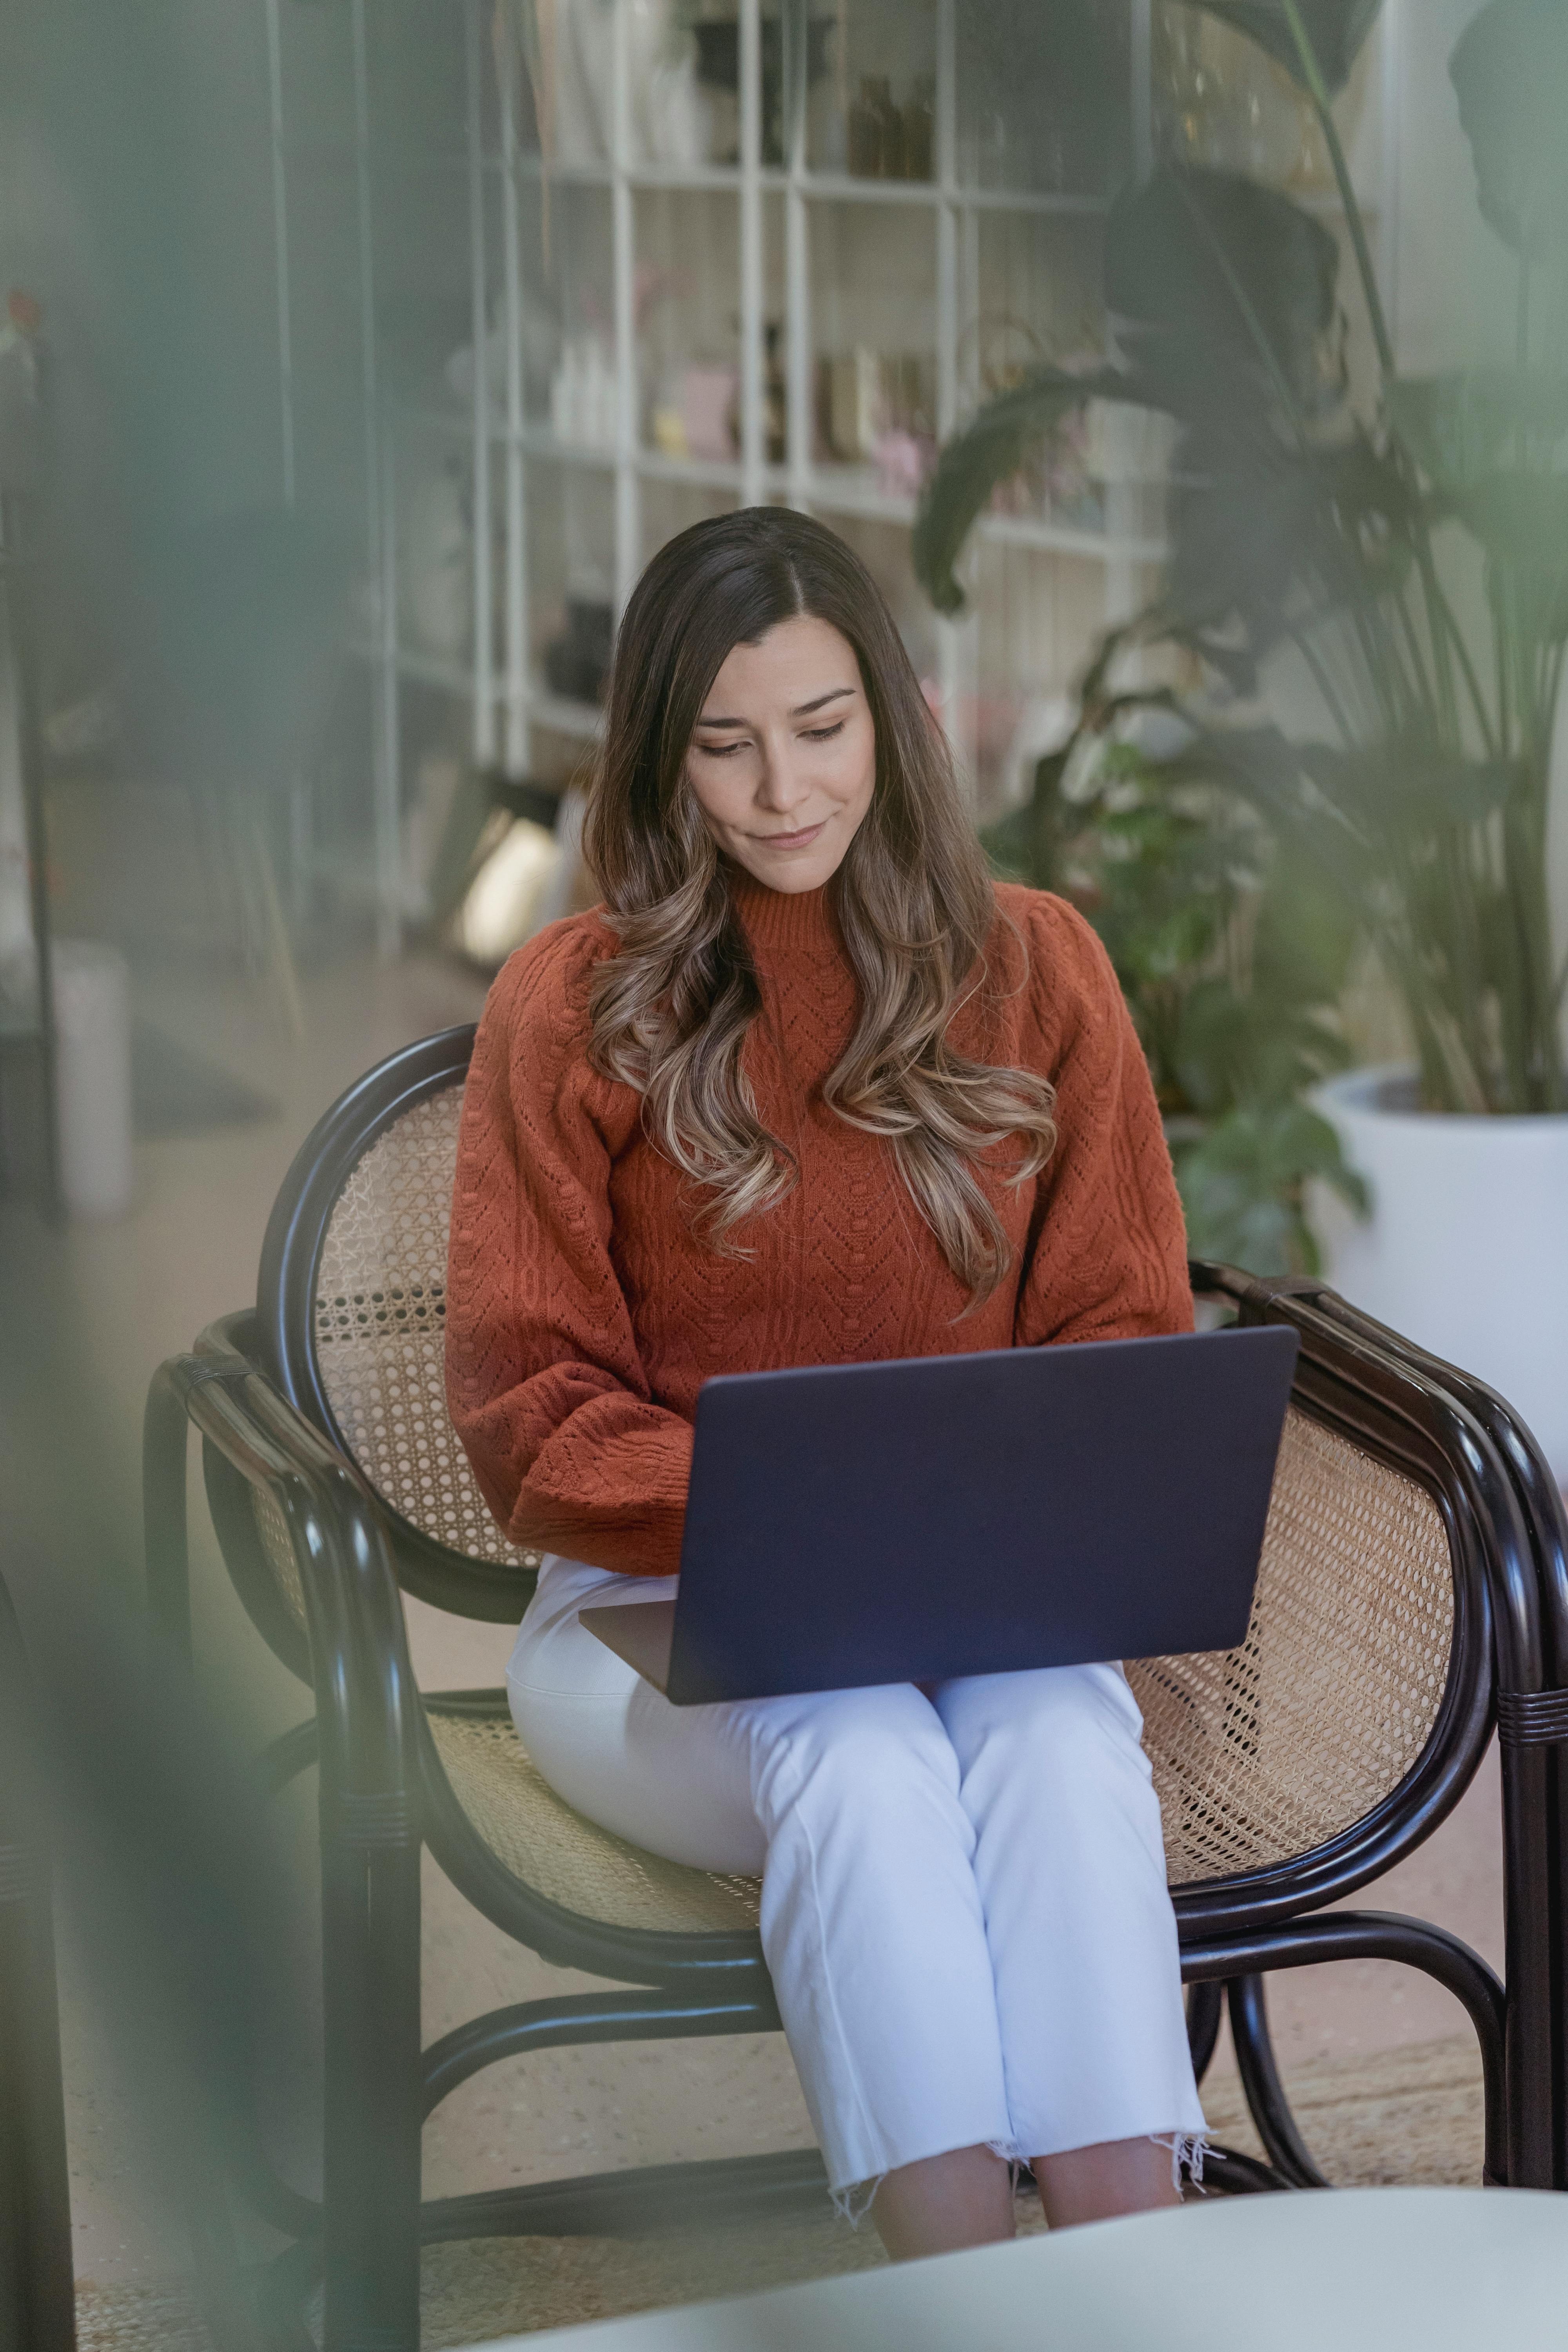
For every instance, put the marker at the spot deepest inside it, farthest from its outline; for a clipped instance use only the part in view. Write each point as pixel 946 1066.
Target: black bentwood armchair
pixel 1405 1598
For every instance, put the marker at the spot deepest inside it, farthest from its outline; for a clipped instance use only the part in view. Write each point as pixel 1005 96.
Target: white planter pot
pixel 1466 1248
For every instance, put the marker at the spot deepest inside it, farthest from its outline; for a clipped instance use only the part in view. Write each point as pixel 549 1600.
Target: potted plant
pixel 1397 564
pixel 1231 956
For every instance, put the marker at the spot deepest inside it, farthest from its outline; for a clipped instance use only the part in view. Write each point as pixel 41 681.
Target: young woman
pixel 808 1088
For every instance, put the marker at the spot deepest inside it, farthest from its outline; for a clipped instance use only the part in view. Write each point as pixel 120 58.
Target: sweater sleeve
pixel 544 1381
pixel 1109 1252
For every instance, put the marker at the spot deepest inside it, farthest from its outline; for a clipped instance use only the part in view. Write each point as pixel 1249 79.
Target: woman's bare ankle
pixel 963 2198
pixel 1116 2175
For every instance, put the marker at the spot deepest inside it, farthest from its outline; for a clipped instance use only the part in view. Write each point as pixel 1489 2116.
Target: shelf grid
pixel 508 701
pixel 828 489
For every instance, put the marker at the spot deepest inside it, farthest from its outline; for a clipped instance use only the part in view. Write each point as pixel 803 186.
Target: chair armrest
pixel 366 1697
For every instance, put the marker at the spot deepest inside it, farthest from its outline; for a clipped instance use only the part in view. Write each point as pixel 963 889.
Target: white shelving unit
pixel 783 218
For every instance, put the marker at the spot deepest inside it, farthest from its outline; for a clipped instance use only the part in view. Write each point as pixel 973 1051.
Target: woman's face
pixel 784 758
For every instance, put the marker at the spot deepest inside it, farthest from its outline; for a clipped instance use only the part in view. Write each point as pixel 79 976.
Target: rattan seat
pixel 567 1858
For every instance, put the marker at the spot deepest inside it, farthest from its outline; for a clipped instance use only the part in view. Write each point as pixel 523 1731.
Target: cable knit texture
pixel 582 1312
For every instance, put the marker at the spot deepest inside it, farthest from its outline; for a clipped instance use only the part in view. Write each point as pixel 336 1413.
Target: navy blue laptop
pixel 967 1514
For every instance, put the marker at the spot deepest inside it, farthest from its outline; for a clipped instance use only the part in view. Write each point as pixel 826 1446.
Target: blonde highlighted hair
pixel 912 899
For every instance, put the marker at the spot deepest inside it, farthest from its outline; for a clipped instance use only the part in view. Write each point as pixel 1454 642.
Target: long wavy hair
pixel 912 901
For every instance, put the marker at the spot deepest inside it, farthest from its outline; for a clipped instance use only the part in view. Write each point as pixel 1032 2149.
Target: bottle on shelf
pixel 892 129
pixel 584 396
pixel 866 134
pixel 919 128
pixel 775 397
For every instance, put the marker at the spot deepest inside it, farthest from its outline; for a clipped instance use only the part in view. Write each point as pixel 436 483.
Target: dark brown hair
pixel 912 899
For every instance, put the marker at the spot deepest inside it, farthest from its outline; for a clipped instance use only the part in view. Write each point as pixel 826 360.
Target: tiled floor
pixel 87 1311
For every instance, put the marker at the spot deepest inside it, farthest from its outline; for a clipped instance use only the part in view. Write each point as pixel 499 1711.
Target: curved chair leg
pixel 1206 2008
pixel 1266 2098
pixel 369 1970
pixel 1381 1936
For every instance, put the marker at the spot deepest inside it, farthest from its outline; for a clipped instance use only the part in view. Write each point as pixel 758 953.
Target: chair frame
pixel 253 1389
pixel 37 2272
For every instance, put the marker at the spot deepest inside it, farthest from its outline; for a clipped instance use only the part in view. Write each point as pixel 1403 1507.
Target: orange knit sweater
pixel 582 1313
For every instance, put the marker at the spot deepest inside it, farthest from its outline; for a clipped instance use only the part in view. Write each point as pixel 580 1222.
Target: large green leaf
pixel 1219 272
pixel 1332 803
pixel 1237 544
pixel 988 451
pixel 1336 29
pixel 1241 1187
pixel 1509 71
pixel 1521 521
pixel 1250 1047
pixel 1305 938
pixel 1408 789
pixel 1266 538
pixel 1455 426
pixel 1229 290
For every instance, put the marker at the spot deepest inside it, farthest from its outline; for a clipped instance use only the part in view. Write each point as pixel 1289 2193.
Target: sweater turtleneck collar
pixel 783 919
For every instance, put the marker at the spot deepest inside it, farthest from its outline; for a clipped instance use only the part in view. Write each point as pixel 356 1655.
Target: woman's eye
pixel 824 734
pixel 723 751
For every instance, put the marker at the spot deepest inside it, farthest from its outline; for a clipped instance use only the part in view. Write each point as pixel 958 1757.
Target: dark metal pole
pixel 38 2286
pixel 18 573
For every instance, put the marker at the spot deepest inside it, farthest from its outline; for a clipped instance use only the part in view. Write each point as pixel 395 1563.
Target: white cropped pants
pixel 964 1909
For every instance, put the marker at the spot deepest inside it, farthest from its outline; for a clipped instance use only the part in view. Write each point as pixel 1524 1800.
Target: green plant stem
pixel 1318 91
pixel 1496 599
pixel 1326 687
pixel 1421 698
pixel 1470 981
pixel 1467 671
pixel 1383 673
pixel 1448 701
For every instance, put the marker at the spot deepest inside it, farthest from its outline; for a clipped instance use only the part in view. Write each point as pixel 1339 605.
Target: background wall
pixel 135 201
pixel 1455 281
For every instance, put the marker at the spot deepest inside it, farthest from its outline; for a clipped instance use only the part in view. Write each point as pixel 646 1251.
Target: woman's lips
pixel 789 840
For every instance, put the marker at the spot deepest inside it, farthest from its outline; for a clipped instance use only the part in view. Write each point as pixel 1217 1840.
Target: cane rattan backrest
pixel 1263 1753
pixel 380 1320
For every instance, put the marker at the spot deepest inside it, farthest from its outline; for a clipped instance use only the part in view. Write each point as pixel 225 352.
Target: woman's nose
pixel 778 786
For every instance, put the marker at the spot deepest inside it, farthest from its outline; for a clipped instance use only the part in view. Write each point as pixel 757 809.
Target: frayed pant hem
pixel 1188 2150
pixel 1012 2156
pixel 856 2198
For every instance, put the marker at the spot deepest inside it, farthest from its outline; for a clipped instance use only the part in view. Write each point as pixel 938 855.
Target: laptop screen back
pixel 981 1514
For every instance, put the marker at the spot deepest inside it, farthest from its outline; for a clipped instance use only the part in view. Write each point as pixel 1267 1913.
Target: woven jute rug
pixel 1411 2116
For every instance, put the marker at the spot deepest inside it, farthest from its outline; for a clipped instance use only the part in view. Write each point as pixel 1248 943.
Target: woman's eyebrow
pixel 801 711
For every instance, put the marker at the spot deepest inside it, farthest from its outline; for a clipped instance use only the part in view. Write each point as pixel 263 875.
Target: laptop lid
pixel 980 1513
